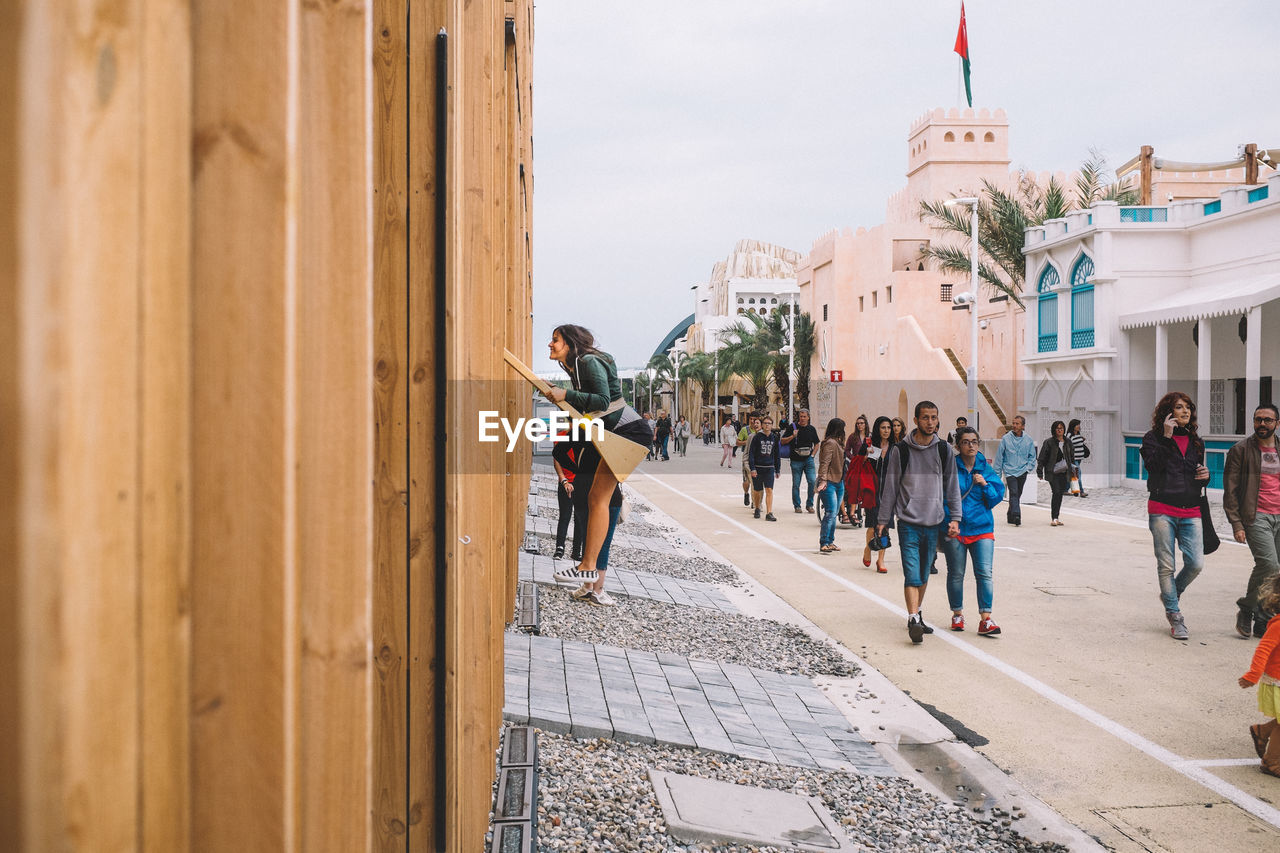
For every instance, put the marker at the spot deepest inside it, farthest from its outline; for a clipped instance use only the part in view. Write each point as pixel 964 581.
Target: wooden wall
pixel 230 615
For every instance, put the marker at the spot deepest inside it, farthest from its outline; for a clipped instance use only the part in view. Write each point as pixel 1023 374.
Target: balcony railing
pixel 1144 214
pixel 1212 207
pixel 1049 343
pixel 1081 338
pixel 1258 195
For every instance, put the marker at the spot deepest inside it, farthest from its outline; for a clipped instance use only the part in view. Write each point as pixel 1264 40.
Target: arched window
pixel 989 137
pixel 1082 303
pixel 950 137
pixel 968 137
pixel 741 300
pixel 752 300
pixel 1048 309
pixel 774 300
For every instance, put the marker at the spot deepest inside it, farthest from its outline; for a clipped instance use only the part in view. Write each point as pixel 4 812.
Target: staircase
pixel 982 389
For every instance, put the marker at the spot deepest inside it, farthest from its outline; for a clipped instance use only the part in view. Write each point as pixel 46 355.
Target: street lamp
pixel 971 298
pixel 677 356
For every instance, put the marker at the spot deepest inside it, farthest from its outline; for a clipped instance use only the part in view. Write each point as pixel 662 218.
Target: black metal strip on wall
pixel 441 436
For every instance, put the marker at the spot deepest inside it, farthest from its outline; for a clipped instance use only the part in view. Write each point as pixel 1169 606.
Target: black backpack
pixel 904 455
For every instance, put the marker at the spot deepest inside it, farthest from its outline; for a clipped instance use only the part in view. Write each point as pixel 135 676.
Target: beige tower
pixel 954 150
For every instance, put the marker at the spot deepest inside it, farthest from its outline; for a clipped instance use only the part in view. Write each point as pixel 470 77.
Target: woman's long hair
pixel 835 429
pixel 859 432
pixel 875 430
pixel 899 430
pixel 1071 427
pixel 1165 408
pixel 579 340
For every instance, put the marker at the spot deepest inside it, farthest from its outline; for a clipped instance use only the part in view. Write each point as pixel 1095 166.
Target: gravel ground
pixel 685 568
pixel 637 623
pixel 596 795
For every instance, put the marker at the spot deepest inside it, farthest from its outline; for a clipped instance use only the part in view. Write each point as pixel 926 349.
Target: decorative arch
pixel 1082 377
pixel 1047 308
pixel 902 406
pixel 949 137
pixel 968 137
pixel 1082 303
pixel 989 137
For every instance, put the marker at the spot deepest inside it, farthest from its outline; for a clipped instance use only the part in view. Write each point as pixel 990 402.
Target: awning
pixel 1195 303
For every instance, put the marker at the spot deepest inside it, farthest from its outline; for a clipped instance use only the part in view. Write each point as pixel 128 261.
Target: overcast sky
pixel 666 130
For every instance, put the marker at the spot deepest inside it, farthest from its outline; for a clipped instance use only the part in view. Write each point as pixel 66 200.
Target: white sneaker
pixel 574 575
pixel 581 592
pixel 601 599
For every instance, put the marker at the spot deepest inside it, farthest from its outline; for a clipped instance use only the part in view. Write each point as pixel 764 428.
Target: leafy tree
pixel 774 335
pixel 745 353
pixel 699 368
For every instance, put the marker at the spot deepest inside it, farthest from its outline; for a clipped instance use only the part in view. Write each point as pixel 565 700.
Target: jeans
pixel 808 468
pixel 1013 489
pixel 919 547
pixel 830 498
pixel 566 515
pixel 1263 537
pixel 1058 485
pixel 602 561
pixel 981 552
pixel 663 441
pixel 1186 534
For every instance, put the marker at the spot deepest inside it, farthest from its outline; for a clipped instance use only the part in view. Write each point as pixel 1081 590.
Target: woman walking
pixel 1080 451
pixel 830 483
pixel 1264 671
pixel 876 452
pixel 595 389
pixel 851 513
pixel 564 455
pixel 1173 454
pixel 728 441
pixel 682 433
pixel 980 492
pixel 899 430
pixel 1054 464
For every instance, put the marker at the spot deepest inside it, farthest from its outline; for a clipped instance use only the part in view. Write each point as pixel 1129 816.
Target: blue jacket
pixel 978 501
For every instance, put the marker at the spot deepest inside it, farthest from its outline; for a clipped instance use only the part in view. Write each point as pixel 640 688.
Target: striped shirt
pixel 1077 445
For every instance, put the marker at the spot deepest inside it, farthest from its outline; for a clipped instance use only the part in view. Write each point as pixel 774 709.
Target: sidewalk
pixel 721 709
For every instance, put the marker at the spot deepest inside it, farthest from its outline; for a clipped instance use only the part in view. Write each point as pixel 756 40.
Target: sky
pixel 664 132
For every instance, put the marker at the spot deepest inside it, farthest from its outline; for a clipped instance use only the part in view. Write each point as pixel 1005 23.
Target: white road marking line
pixel 1175 762
pixel 1011 548
pixel 1223 762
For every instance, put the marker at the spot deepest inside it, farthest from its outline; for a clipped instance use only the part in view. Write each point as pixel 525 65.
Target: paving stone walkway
pixel 621 539
pixel 1130 504
pixel 590 690
pixel 617 581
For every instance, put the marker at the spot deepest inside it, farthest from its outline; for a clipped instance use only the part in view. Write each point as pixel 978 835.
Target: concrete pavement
pixel 1139 739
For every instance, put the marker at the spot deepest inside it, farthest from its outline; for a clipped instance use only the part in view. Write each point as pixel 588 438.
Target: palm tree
pixel 698 367
pixel 774 335
pixel 743 353
pixel 1004 215
pixel 664 370
pixel 806 345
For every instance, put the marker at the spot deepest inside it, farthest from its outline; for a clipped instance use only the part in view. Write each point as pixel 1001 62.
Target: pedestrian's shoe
pixel 768 516
pixel 746 499
pixel 581 593
pixel 924 626
pixel 957 621
pixel 808 509
pixel 1177 625
pixel 988 628
pixel 933 570
pixel 1260 625
pixel 825 549
pixel 799 511
pixel 576 556
pixel 756 513
pixel 600 599
pixel 915 629
pixel 1259 742
pixel 1271 771
pixel 559 552
pixel 574 575
pixel 1244 623
pixel 882 570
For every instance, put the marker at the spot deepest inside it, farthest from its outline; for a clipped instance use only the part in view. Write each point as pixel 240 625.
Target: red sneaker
pixel 988 628
pixel 957 622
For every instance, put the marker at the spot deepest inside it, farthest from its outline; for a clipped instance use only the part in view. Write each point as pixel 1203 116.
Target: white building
pixel 757 278
pixel 1128 303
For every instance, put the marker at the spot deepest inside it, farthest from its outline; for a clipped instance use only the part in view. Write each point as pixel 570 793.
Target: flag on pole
pixel 962 48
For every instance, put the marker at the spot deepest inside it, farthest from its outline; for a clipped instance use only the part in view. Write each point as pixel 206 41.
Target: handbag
pixel 1210 535
pixel 1075 485
pixel 1060 467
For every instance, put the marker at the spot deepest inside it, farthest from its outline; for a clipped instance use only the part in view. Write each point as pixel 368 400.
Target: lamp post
pixel 677 356
pixel 791 361
pixel 972 299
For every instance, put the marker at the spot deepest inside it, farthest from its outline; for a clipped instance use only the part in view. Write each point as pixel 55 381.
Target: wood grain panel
pixel 333 301
pixel 164 549
pixel 391 437
pixel 243 503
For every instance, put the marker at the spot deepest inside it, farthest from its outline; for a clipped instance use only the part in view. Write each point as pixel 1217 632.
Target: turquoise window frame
pixel 1082 304
pixel 1047 309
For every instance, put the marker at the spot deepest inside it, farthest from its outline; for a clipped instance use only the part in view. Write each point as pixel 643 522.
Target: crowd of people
pixel 941 494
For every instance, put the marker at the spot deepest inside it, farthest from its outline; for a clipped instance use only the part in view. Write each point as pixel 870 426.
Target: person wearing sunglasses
pixel 980 492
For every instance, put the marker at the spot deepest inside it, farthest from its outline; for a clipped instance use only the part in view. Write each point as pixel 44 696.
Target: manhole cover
pixel 698 809
pixel 1070 590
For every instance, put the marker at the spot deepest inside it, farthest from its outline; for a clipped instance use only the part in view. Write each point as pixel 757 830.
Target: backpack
pixel 904 454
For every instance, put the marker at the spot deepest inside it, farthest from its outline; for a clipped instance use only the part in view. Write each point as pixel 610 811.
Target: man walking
pixel 919 478
pixel 744 441
pixel 1251 499
pixel 802 439
pixel 764 456
pixel 1015 458
pixel 961 421
pixel 663 433
pixel 648 425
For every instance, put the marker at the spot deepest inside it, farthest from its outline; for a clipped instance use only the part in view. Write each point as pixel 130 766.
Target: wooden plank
pixel 164 549
pixel 244 677
pixel 426 666
pixel 333 304
pixel 390 398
